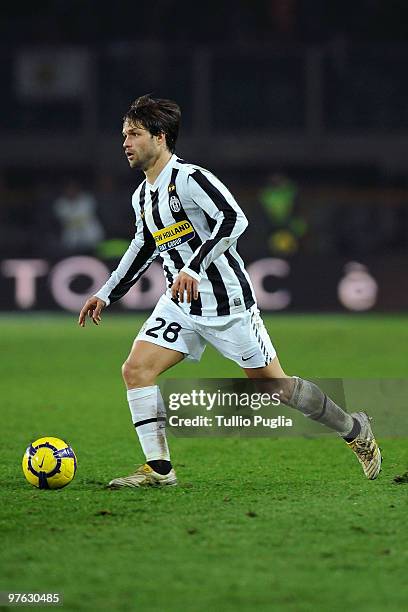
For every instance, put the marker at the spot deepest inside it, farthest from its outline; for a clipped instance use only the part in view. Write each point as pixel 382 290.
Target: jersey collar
pixel 163 173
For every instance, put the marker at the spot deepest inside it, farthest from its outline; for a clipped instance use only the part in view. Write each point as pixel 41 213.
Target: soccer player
pixel 188 218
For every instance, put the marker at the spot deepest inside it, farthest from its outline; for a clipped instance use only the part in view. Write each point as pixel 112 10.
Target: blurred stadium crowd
pixel 300 107
pixel 289 215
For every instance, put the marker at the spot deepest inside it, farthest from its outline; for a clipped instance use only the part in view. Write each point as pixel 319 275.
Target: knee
pixel 283 387
pixel 137 374
pixel 287 386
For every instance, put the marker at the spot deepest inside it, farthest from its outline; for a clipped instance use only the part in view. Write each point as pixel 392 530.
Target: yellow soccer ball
pixel 49 463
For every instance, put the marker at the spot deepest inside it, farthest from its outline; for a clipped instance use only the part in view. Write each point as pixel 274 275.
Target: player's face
pixel 141 148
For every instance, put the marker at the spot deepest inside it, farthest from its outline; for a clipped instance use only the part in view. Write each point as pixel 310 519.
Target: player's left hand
pixel 185 283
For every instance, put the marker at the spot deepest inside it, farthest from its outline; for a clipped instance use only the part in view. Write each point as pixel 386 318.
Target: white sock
pixel 309 399
pixel 149 418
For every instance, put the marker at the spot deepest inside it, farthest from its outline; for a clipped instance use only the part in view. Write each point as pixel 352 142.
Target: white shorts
pixel 242 337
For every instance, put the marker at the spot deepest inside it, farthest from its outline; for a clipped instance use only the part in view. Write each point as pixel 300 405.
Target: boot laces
pixel 364 449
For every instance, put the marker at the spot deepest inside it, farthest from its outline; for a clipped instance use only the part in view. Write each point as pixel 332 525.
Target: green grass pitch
pixel 256 523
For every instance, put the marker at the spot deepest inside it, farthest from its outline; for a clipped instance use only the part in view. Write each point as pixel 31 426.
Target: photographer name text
pixel 230 421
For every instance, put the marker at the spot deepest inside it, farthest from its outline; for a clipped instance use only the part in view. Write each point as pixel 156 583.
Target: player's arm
pixel 185 284
pixel 92 309
pixel 225 217
pixel 138 257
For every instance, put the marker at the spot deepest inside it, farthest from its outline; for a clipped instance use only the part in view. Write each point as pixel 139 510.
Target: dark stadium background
pixel 301 108
pixel 294 104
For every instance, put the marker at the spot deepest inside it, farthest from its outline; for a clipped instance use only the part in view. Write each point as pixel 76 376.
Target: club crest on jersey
pixel 173 235
pixel 175 204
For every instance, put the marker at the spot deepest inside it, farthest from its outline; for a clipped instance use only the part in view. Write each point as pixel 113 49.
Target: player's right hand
pixel 93 308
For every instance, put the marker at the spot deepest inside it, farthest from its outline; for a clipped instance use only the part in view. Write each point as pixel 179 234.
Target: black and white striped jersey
pixel 192 222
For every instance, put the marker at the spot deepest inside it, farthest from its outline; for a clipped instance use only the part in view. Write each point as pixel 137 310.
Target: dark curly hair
pixel 157 116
